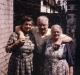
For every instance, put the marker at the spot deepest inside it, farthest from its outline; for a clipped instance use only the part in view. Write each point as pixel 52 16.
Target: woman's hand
pixel 57 44
pixel 71 70
pixel 21 37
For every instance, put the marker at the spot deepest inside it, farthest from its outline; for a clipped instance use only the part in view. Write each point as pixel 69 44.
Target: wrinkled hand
pixel 19 42
pixel 21 37
pixel 57 44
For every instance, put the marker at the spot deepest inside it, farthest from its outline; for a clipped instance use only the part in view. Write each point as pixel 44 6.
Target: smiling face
pixel 42 23
pixel 56 31
pixel 26 27
pixel 26 24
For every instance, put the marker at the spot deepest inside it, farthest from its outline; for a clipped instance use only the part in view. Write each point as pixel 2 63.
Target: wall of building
pixel 73 30
pixel 6 28
pixel 71 19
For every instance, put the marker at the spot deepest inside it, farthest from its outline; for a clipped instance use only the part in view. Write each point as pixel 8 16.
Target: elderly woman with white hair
pixel 57 58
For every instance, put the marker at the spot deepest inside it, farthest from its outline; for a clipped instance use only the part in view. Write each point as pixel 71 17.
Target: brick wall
pixel 6 28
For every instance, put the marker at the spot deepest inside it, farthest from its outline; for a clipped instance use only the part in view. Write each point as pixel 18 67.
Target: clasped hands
pixel 21 39
pixel 57 44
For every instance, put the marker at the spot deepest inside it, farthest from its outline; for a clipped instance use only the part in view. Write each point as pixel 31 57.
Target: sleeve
pixel 69 56
pixel 10 43
pixel 66 38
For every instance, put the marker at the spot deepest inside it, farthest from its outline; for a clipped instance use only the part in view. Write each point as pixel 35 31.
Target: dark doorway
pixel 32 8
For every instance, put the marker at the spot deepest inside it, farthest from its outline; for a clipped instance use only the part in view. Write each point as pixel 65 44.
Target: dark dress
pixel 57 62
pixel 21 60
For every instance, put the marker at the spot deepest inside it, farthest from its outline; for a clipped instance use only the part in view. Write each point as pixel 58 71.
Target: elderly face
pixel 26 27
pixel 42 24
pixel 56 32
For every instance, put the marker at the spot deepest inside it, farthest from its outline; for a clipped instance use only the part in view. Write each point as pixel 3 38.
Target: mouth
pixel 42 29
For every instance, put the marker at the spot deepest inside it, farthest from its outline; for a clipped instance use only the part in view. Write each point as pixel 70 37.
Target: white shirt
pixel 40 39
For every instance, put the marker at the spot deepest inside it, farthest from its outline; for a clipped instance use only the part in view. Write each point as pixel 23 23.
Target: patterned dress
pixel 21 60
pixel 57 62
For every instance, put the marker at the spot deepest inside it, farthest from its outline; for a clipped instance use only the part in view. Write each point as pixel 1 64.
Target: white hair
pixel 42 19
pixel 56 26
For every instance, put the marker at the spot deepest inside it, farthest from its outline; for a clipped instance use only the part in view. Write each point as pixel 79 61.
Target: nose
pixel 56 33
pixel 27 25
pixel 42 26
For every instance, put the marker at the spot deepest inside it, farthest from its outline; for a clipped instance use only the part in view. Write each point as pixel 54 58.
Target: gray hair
pixel 42 19
pixel 56 26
